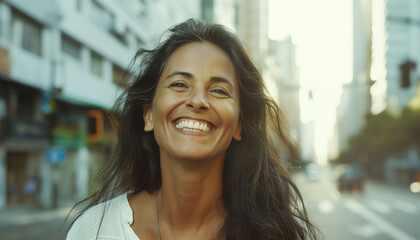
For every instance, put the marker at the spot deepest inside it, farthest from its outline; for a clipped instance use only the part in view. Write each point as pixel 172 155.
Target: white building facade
pixel 62 63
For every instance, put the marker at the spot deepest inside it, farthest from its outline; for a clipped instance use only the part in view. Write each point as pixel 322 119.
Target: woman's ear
pixel 148 118
pixel 238 130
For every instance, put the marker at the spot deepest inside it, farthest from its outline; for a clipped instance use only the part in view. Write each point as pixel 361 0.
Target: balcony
pixel 21 134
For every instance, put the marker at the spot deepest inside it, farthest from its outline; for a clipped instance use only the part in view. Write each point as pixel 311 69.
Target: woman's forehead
pixel 200 56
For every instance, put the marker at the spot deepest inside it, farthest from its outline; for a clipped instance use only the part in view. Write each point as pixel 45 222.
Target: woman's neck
pixel 190 199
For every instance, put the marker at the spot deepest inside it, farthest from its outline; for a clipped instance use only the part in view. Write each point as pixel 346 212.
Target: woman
pixel 197 152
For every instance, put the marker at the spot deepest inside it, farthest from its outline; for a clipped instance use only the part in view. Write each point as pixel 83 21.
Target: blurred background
pixel 344 72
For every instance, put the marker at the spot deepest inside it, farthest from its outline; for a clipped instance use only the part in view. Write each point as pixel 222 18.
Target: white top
pixel 117 218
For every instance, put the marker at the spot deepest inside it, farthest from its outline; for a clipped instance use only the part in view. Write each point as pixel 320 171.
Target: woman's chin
pixel 197 155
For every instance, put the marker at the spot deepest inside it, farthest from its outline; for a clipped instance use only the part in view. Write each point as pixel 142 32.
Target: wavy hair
pixel 261 200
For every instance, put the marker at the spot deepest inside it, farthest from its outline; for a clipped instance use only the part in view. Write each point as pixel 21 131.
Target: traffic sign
pixel 55 155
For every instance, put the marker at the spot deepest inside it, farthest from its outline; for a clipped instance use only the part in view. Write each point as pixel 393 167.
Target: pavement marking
pixel 326 206
pixel 406 207
pixel 380 207
pixel 386 227
pixel 365 231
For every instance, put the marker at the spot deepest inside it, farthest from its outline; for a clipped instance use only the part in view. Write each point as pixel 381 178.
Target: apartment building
pixel 61 64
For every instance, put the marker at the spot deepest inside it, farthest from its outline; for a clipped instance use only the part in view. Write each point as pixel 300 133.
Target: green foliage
pixel 384 135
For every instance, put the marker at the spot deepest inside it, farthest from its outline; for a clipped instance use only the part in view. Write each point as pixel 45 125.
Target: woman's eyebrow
pixel 212 79
pixel 185 74
pixel 221 79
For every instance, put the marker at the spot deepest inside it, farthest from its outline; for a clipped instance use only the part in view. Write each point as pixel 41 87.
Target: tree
pixel 384 135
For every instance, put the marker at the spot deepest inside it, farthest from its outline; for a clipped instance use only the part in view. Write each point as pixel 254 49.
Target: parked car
pixel 350 178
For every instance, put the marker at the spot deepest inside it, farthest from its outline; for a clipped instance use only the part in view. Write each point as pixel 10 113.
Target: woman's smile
pixel 188 126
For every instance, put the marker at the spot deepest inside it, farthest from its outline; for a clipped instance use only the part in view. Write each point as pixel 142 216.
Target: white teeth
pixel 192 126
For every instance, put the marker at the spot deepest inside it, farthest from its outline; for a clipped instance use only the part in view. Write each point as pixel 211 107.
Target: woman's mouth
pixel 192 125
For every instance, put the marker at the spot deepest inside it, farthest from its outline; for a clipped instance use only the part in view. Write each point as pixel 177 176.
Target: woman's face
pixel 195 111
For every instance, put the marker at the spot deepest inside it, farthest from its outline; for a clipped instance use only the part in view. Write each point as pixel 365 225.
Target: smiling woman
pixel 197 156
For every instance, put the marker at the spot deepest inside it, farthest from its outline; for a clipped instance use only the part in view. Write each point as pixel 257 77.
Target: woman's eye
pixel 221 91
pixel 178 85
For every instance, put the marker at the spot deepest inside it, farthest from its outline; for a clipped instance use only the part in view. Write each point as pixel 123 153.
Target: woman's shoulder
pixel 110 219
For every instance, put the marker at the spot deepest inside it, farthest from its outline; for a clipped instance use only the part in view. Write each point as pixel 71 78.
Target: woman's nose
pixel 197 101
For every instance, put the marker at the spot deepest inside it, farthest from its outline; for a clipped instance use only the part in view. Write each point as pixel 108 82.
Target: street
pixel 380 212
pixel 33 224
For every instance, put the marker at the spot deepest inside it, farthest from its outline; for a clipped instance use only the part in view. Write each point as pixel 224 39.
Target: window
pixel 69 116
pixel 405 70
pixel 118 32
pixel 100 16
pixel 26 105
pixel 120 37
pixel 21 103
pixel 96 64
pixel 118 75
pixel 71 47
pixel 30 39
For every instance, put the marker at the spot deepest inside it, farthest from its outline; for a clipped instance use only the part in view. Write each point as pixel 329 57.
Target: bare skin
pixel 189 203
pixel 190 207
pixel 198 89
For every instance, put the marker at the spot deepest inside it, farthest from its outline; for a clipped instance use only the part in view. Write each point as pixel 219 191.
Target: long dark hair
pixel 261 200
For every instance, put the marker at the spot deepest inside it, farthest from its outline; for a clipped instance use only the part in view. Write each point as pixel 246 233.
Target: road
pixel 380 212
pixel 32 224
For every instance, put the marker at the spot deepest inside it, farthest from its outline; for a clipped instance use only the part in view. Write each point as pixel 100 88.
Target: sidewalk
pixel 26 214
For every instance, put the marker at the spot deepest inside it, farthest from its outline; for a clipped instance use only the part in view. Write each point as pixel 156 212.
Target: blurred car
pixel 350 178
pixel 313 172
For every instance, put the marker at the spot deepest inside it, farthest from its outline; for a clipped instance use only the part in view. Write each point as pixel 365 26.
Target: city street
pixel 380 212
pixel 22 224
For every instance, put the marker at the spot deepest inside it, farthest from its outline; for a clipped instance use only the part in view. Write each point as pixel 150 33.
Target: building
pixel 355 99
pixel 281 63
pixel 220 11
pixel 252 29
pixel 61 68
pixel 395 54
pixel 162 14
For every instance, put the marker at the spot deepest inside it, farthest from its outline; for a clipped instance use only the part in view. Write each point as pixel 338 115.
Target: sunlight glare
pixel 322 32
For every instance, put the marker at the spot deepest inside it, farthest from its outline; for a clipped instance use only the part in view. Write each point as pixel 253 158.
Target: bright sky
pixel 322 31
